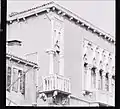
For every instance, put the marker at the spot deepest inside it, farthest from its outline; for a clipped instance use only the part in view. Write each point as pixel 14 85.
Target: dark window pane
pixel 15 77
pixel 8 78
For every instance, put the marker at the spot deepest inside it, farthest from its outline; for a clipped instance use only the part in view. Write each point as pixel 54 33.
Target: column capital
pixel 110 75
pixel 103 73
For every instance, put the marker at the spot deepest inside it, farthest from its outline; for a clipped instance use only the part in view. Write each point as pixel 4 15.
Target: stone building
pixel 76 59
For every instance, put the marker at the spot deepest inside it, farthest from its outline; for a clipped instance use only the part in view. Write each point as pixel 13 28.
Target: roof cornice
pixel 51 6
pixel 20 60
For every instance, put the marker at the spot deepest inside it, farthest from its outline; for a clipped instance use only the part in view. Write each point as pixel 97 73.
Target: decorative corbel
pixel 59 12
pixel 63 14
pixel 77 21
pixel 82 24
pixel 18 20
pixel 53 8
pixel 24 19
pixel 48 10
pixel 10 21
pixel 36 14
pixel 71 18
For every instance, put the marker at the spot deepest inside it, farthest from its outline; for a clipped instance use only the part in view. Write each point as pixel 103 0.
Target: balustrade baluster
pixel 47 83
pixel 51 83
pixel 62 84
pixel 65 85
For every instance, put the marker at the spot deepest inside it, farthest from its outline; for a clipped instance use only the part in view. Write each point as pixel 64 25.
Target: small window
pixel 22 82
pixel 8 78
pixel 15 77
pixel 100 80
pixel 107 82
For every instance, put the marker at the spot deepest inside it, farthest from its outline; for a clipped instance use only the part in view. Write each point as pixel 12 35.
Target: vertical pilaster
pixel 89 78
pixel 52 46
pixel 104 81
pixel 110 83
pixel 62 50
pixel 97 78
pixel 84 70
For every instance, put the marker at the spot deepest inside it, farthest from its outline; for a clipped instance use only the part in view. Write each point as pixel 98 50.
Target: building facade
pixel 23 91
pixel 76 59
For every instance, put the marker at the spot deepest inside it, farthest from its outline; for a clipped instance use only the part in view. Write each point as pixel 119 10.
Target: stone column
pixel 61 60
pixel 110 83
pixel 84 69
pixel 89 78
pixel 97 78
pixel 52 45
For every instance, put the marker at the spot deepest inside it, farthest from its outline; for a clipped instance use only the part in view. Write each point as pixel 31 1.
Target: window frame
pixel 18 68
pixel 7 77
pixel 93 79
pixel 106 82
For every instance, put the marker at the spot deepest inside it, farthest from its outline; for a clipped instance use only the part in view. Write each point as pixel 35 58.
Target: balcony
pixel 56 82
pixel 105 97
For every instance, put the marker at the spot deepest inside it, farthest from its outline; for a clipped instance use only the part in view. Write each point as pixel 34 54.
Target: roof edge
pixel 52 4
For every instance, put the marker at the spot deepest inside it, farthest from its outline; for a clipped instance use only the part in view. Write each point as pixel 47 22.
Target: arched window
pixel 93 77
pixel 85 77
pixel 113 83
pixel 85 70
pixel 100 86
pixel 106 82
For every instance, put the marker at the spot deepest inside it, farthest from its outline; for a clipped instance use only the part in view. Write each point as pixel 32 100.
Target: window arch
pixel 85 60
pixel 113 83
pixel 100 83
pixel 93 77
pixel 107 82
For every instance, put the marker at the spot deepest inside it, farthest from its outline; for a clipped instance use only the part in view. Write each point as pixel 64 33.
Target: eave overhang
pixel 51 6
pixel 21 61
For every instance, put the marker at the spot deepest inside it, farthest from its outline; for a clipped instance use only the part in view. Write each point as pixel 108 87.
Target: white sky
pixel 99 13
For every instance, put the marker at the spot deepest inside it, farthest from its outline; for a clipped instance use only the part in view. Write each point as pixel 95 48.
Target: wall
pixel 72 56
pixel 35 34
pixel 73 38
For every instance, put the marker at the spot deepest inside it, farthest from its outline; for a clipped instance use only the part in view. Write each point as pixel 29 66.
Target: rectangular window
pixel 8 78
pixel 22 82
pixel 15 77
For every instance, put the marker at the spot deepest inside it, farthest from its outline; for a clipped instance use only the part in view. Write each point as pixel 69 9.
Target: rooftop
pixel 52 6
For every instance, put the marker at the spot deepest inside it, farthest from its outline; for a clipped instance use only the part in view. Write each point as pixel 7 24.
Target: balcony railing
pixel 105 97
pixel 56 82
